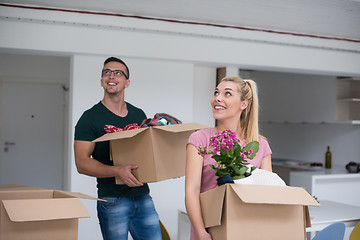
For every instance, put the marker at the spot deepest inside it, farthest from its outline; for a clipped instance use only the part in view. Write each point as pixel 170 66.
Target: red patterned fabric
pixel 160 119
pixel 111 128
pixel 131 126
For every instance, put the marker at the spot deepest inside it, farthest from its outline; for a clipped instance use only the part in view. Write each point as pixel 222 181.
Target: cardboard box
pixel 159 151
pixel 35 213
pixel 256 212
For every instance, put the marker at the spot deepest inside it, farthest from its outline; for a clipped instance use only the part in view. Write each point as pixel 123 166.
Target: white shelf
pixel 348 100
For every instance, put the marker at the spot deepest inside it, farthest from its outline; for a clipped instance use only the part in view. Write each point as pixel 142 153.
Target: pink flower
pixel 220 166
pixel 202 151
pixel 225 149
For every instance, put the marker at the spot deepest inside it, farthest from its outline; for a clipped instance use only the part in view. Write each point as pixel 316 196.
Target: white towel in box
pixel 262 177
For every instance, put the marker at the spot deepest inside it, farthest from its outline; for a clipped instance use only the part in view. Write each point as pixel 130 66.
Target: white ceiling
pixel 321 18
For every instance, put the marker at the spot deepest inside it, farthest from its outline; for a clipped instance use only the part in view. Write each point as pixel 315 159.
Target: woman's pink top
pixel 208 178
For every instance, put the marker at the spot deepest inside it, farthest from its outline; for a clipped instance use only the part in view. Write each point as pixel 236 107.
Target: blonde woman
pixel 235 107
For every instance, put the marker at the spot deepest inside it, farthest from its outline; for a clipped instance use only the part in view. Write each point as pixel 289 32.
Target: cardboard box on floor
pixel 34 213
pixel 159 151
pixel 256 212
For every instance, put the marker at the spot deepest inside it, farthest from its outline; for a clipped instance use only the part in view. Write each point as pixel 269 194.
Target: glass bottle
pixel 328 162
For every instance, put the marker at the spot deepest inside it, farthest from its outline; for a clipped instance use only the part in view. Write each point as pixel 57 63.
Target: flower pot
pixel 224 179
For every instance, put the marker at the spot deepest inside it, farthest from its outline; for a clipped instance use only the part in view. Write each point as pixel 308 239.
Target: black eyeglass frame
pixel 114 71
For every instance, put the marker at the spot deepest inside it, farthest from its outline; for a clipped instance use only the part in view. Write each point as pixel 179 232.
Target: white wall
pixel 85 91
pixel 204 85
pixel 162 86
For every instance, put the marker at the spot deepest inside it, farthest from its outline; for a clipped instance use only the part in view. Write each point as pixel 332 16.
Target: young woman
pixel 235 107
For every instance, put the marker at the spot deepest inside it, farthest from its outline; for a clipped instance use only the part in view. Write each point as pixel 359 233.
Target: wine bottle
pixel 328 162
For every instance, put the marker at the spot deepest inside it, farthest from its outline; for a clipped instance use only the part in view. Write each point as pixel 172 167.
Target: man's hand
pixel 91 167
pixel 126 176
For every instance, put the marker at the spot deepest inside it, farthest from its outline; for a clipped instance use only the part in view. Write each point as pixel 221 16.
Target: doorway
pixel 32 133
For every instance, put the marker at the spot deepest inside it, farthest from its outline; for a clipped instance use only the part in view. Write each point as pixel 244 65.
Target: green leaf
pixel 238 177
pixel 252 145
pixel 236 148
pixel 243 170
pixel 217 158
pixel 240 160
pixel 221 172
pixel 236 169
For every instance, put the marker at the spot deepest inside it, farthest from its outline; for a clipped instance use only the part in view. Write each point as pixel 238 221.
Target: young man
pixel 129 207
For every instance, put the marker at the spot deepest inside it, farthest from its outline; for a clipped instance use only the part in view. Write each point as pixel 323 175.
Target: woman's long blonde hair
pixel 249 119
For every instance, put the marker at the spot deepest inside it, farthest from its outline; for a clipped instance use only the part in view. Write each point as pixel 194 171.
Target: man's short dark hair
pixel 115 59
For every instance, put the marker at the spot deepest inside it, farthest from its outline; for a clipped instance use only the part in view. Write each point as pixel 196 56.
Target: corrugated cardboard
pixel 17 187
pixel 256 212
pixel 159 151
pixel 34 213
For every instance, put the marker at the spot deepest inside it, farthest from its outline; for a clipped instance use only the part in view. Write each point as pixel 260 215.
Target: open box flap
pixel 17 187
pixel 273 195
pixel 214 200
pixel 25 210
pixel 59 193
pixel 119 135
pixel 307 217
pixel 24 193
pixel 181 127
pixel 169 128
pixel 11 186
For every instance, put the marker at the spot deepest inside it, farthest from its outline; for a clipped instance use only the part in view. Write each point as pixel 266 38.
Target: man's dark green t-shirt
pixel 91 126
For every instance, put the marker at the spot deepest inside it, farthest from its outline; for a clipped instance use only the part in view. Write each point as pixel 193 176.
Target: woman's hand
pixel 204 236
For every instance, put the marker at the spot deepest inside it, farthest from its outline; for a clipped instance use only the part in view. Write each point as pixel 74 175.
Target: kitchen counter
pixel 283 167
pixel 297 164
pixel 334 184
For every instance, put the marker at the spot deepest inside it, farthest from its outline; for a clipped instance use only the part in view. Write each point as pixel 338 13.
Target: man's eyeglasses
pixel 117 73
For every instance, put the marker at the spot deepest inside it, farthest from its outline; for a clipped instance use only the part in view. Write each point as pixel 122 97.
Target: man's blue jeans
pixel 137 214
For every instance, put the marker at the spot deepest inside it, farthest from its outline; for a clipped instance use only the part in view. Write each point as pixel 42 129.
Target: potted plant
pixel 231 158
